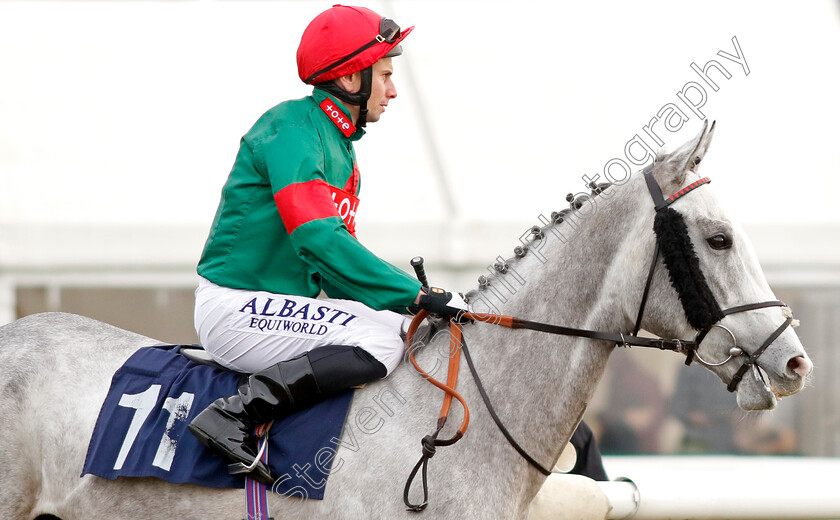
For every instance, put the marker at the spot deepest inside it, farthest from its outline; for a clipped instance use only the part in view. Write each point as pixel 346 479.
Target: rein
pixel 458 344
pixel 431 442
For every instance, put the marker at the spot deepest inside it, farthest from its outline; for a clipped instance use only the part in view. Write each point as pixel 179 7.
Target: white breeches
pixel 249 331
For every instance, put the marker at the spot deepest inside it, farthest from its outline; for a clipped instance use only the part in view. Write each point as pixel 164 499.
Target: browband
pixel 659 201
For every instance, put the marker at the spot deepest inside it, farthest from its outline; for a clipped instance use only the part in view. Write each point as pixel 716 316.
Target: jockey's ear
pixel 672 170
pixel 351 82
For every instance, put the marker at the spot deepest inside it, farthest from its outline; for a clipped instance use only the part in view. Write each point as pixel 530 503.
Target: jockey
pixel 284 232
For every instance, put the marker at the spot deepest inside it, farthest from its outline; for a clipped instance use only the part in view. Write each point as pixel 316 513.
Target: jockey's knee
pixel 337 367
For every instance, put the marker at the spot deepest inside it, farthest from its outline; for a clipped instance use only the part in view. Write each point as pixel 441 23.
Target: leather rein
pixel 458 344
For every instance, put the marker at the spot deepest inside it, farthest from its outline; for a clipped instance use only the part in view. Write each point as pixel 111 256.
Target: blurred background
pixel 119 121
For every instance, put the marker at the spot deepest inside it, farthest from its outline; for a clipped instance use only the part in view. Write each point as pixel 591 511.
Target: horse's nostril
pixel 800 366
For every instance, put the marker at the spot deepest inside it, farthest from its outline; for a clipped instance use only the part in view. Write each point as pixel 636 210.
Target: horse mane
pixel 538 232
pixel 682 264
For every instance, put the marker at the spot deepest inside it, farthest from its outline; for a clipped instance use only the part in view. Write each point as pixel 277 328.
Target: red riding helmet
pixel 343 40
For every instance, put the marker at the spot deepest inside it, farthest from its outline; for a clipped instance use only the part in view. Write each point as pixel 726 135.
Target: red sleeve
pixel 302 202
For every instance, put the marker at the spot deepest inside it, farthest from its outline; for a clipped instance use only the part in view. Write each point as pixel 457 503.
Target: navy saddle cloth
pixel 142 431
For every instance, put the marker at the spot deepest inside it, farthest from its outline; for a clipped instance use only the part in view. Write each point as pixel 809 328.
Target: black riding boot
pixel 226 426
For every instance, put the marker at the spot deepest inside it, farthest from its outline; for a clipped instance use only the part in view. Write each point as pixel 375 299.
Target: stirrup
pixel 240 468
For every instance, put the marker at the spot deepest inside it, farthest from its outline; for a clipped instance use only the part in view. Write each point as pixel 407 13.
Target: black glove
pixel 443 303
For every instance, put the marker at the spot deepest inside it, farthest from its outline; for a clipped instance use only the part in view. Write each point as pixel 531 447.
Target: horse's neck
pixel 541 380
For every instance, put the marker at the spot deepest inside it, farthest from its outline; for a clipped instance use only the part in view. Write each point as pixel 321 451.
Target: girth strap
pixel 256 501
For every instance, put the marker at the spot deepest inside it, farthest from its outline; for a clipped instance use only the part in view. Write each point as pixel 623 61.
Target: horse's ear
pixel 676 165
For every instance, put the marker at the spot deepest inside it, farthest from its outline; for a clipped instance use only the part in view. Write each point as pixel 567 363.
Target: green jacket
pixel 279 225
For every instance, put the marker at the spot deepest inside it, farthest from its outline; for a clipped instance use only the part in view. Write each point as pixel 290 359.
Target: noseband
pixel 699 304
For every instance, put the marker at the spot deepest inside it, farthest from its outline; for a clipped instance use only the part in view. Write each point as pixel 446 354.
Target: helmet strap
pixel 364 93
pixel 359 98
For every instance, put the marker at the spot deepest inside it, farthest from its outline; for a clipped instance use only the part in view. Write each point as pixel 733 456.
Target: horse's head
pixel 711 274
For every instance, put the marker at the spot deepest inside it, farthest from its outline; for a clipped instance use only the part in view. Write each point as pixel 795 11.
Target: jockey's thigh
pixel 249 331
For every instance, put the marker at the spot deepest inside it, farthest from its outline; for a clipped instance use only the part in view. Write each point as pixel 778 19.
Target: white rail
pixel 754 488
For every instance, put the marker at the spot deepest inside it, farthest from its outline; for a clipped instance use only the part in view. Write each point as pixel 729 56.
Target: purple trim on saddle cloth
pixel 142 431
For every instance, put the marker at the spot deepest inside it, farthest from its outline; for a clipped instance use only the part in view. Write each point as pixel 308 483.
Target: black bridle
pixel 703 320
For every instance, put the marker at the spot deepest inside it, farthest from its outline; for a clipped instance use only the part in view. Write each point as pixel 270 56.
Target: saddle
pixel 197 354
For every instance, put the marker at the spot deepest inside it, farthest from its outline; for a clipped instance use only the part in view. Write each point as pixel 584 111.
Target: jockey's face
pixel 382 89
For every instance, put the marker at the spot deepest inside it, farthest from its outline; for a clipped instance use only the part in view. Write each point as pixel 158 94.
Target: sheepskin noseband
pixel 698 302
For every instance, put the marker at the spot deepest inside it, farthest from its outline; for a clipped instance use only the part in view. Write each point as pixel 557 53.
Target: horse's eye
pixel 720 241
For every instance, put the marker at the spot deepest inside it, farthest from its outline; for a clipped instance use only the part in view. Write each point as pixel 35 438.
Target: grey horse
pixel 587 272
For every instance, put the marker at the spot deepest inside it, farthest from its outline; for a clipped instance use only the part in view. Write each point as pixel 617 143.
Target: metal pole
pixel 438 168
pixel 8 300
